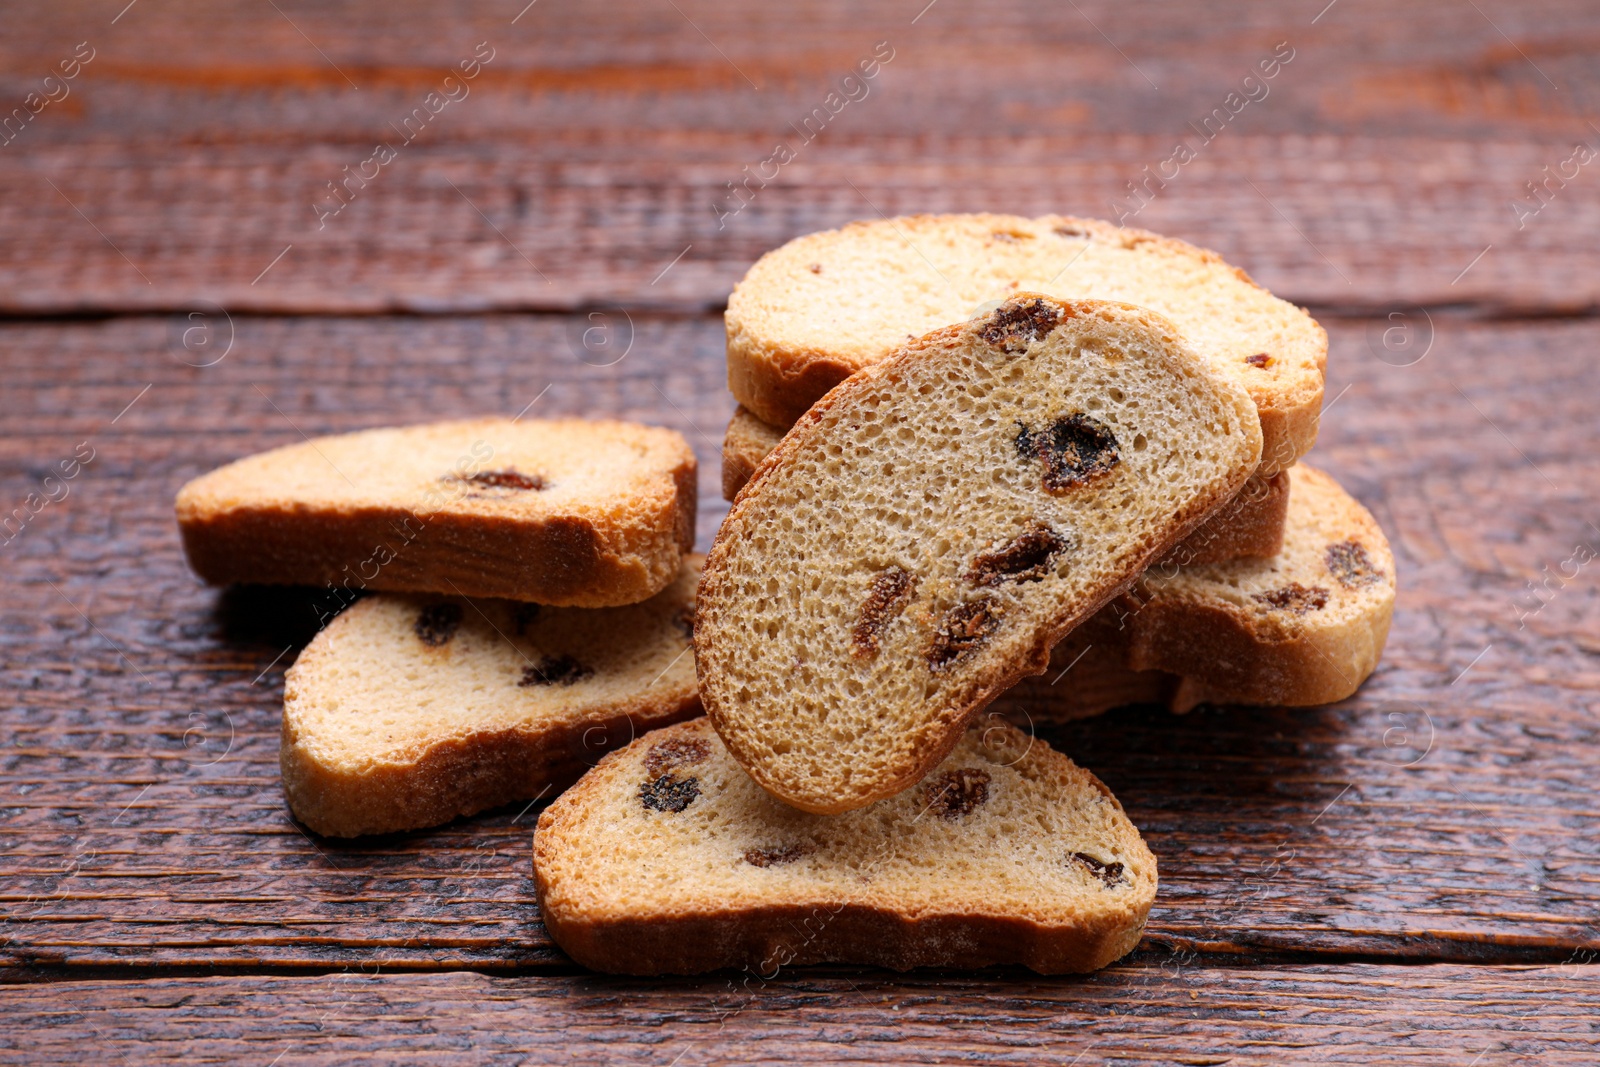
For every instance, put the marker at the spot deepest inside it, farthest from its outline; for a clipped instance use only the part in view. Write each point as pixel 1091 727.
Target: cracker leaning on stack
pixel 972 451
pixel 930 529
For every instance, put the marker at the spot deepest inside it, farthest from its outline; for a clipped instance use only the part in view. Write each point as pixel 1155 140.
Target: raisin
pixel 554 670
pixel 890 592
pixel 1295 597
pixel 775 857
pixel 1027 558
pixel 963 628
pixel 1348 561
pixel 955 793
pixel 523 616
pixel 1075 450
pixel 815 268
pixel 1110 874
pixel 438 623
pixel 1017 322
pixel 667 793
pixel 669 755
pixel 506 479
pixel 1260 359
pixel 684 621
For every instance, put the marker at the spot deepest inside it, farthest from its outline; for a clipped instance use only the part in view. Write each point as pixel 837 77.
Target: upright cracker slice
pixel 668 859
pixel 407 711
pixel 564 512
pixel 811 313
pixel 924 536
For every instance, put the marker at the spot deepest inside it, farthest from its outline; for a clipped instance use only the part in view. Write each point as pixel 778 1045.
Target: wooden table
pixel 1410 876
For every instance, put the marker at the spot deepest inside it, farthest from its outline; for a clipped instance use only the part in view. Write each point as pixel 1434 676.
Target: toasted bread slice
pixel 1305 627
pixel 815 311
pixel 746 443
pixel 1248 526
pixel 407 711
pixel 668 859
pixel 566 512
pixel 921 539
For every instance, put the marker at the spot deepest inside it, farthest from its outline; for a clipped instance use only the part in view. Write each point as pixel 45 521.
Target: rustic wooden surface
pixel 1383 159
pixel 1157 1009
pixel 1412 874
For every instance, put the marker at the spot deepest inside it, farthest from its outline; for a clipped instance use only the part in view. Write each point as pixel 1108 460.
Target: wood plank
pixel 1152 1009
pixel 1335 221
pixel 1418 67
pixel 588 159
pixel 1444 813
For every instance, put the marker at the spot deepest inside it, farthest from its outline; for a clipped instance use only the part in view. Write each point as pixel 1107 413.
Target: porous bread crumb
pixel 1249 525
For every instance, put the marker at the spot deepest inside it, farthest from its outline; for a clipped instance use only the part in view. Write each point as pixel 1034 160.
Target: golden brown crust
pixel 458 776
pixel 237 527
pixel 747 442
pixel 938 735
pixel 763 940
pixel 559 561
pixel 778 381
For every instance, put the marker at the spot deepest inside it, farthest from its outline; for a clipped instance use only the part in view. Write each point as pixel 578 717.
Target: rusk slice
pixel 924 536
pixel 818 309
pixel 408 711
pixel 668 859
pixel 1303 628
pixel 1249 525
pixel 747 442
pixel 565 512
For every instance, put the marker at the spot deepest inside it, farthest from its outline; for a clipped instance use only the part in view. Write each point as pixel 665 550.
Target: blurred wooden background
pixel 1412 875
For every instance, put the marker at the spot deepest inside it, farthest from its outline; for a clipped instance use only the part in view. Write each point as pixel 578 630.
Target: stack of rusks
pixel 985 470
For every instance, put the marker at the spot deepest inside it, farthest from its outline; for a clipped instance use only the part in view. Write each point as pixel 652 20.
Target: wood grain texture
pixel 1151 1009
pixel 586 160
pixel 1443 813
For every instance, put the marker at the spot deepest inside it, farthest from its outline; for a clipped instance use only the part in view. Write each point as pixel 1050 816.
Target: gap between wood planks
pixel 1147 954
pixel 1472 311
